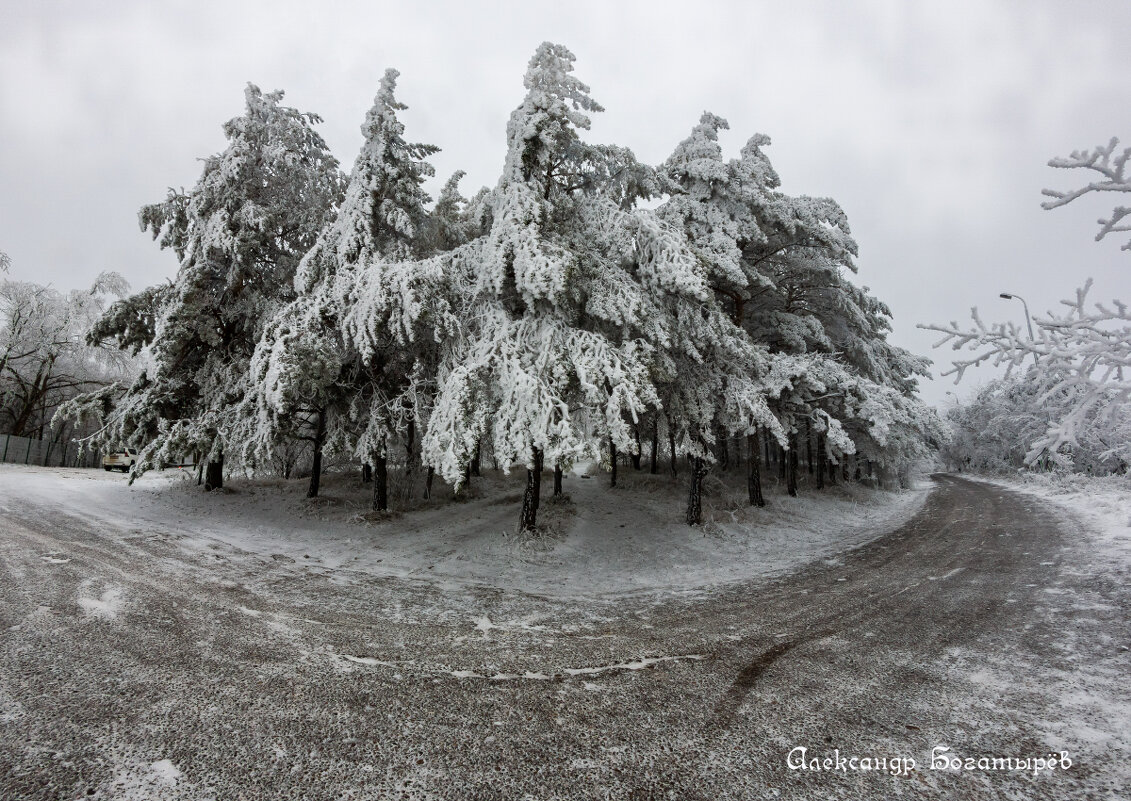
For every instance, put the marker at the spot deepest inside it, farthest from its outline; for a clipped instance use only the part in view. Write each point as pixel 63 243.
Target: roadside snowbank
pixel 600 542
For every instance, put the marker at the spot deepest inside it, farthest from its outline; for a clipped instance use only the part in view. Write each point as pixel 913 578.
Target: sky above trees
pixel 931 126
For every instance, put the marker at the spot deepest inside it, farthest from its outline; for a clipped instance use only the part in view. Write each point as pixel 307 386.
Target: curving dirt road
pixel 131 667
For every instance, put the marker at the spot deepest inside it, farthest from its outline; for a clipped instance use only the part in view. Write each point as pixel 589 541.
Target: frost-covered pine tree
pixel 546 364
pixel 352 353
pixel 239 235
pixel 715 374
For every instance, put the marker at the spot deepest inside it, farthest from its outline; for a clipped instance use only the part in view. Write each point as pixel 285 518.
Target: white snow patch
pixel 638 664
pixel 165 771
pixel 106 606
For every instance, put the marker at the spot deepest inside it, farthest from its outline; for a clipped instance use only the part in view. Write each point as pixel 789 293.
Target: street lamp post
pixel 1028 321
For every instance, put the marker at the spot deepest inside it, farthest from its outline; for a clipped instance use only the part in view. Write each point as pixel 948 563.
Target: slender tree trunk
pixel 530 497
pixel 782 463
pixel 366 473
pixel 671 445
pixel 214 477
pixel 652 467
pixel 199 458
pixel 557 480
pixel 613 462
pixel 316 466
pixel 791 483
pixel 475 461
pixel 428 482
pixel 737 450
pixel 695 499
pixel 753 474
pixel 636 454
pixel 538 467
pixel 410 458
pixel 820 461
pixel 809 447
pixel 380 483
pixel 766 445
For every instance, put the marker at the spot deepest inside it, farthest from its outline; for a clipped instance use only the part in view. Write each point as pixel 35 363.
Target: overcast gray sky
pixel 931 123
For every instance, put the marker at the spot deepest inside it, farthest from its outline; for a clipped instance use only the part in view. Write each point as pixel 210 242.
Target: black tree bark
pixel 671 444
pixel 410 447
pixel 557 480
pixel 530 497
pixel 613 463
pixel 808 447
pixel 791 483
pixel 652 467
pixel 695 499
pixel 820 461
pixel 316 466
pixel 380 483
pixel 214 476
pixel 753 474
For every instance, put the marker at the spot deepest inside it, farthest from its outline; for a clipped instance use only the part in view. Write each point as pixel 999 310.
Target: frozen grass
pixel 595 541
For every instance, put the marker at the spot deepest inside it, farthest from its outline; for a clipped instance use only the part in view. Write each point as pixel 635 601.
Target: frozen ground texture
pixel 602 542
pixel 157 643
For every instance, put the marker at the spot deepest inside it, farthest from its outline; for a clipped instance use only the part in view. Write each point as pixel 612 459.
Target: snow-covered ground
pixel 600 542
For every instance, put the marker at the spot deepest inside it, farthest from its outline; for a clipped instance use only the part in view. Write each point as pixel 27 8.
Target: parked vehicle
pixel 119 460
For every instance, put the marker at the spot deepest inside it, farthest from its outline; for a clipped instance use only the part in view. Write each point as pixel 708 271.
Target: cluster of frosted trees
pixel 45 359
pixel 547 321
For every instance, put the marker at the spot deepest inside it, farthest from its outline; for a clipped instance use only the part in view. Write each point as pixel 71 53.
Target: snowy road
pixel 132 666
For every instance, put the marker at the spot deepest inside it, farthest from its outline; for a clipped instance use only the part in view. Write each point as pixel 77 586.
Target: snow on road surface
pixel 321 656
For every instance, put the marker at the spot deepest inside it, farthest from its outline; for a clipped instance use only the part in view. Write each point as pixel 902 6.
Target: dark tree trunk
pixel 766 445
pixel 613 463
pixel 316 465
pixel 652 467
pixel 820 462
pixel 636 455
pixel 695 499
pixel 791 483
pixel 428 482
pixel 380 483
pixel 753 474
pixel 366 473
pixel 475 461
pixel 214 476
pixel 199 457
pixel 781 463
pixel 671 444
pixel 737 453
pixel 538 466
pixel 808 448
pixel 721 452
pixel 557 480
pixel 410 457
pixel 530 498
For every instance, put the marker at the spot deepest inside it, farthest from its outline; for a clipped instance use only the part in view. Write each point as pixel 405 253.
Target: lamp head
pixel 1006 295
